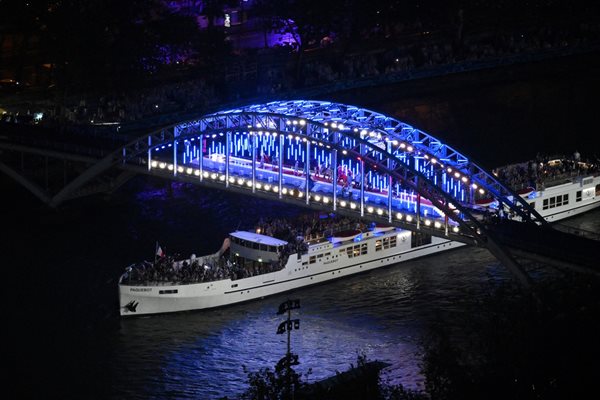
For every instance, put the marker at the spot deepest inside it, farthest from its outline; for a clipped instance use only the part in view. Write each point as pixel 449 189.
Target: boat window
pixel 312 259
pixel 578 195
pixel 545 207
pixel 377 245
pixel 167 291
pixel 552 202
pixel 532 204
pixel 565 199
pixel 349 251
pixel 363 249
pixel 393 241
pixel 327 254
pixel 320 256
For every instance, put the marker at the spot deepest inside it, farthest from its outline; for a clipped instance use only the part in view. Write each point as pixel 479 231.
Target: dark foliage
pixel 513 346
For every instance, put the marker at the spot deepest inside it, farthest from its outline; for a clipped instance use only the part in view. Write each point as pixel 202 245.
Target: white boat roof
pixel 258 238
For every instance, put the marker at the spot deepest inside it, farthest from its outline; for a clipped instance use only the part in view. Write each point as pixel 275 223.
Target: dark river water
pixel 64 336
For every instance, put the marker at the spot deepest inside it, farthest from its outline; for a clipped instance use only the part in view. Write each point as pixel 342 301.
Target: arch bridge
pixel 326 156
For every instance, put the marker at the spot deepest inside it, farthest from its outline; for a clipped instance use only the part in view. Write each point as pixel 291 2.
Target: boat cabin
pixel 253 248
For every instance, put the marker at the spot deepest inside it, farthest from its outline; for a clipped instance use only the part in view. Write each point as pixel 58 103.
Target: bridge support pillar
pixel 227 144
pixel 253 151
pixel 362 181
pixel 201 157
pixel 307 172
pixel 280 165
pixel 389 165
pixel 390 199
pixel 174 157
pixel 334 177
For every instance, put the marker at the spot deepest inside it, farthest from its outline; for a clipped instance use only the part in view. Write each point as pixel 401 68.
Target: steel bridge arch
pixel 323 120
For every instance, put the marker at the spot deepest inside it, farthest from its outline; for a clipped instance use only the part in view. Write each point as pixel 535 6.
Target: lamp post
pixel 287 326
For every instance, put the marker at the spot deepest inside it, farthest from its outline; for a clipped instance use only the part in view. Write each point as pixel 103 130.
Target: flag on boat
pixel 159 250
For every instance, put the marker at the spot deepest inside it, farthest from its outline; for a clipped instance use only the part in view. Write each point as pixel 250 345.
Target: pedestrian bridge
pixel 325 156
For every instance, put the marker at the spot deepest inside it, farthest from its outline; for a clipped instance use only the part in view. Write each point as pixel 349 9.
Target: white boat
pixel 259 265
pixel 560 191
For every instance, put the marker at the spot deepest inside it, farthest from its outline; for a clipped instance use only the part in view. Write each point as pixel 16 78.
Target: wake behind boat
pixel 279 256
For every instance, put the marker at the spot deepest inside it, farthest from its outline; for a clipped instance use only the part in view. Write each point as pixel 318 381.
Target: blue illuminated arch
pixel 409 166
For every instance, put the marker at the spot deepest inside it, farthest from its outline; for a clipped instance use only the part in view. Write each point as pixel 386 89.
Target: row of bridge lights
pixel 291 192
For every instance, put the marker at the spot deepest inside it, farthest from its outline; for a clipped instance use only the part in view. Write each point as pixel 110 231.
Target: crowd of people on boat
pixel 307 226
pixel 538 173
pixel 167 270
pixel 296 232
